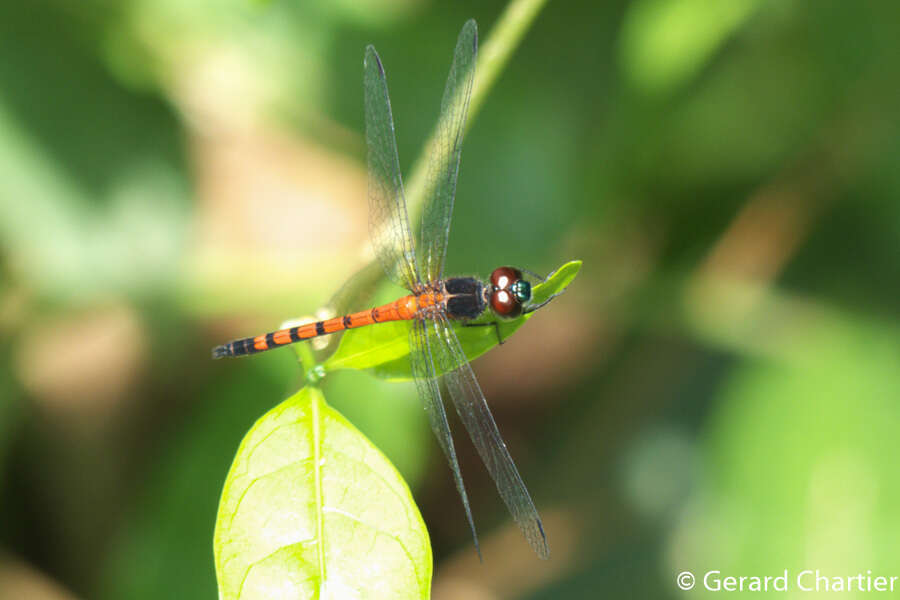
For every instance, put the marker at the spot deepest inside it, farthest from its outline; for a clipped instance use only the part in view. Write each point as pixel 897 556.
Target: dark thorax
pixel 465 297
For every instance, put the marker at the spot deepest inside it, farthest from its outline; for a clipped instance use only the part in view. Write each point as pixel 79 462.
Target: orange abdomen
pixel 402 309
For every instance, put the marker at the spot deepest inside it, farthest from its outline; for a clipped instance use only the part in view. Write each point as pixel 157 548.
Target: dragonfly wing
pixel 388 220
pixel 357 292
pixel 476 416
pixel 443 164
pixel 421 340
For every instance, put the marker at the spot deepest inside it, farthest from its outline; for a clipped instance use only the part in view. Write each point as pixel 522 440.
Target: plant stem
pixel 307 361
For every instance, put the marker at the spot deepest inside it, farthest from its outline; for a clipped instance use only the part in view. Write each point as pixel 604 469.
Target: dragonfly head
pixel 508 292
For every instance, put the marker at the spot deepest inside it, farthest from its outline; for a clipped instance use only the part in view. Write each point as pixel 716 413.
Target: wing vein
pixel 479 422
pixel 421 341
pixel 388 219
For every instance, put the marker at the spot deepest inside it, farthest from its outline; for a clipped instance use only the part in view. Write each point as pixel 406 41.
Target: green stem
pixel 311 369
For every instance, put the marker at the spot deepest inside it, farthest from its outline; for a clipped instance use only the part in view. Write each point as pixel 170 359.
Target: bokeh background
pixel 718 389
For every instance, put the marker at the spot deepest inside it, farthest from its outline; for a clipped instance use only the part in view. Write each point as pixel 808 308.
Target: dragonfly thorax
pixel 465 297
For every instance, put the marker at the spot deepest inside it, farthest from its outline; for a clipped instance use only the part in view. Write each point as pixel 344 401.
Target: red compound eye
pixel 505 304
pixel 503 277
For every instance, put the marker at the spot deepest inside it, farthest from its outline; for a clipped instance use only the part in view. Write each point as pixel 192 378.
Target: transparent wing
pixel 443 165
pixel 476 416
pixel 421 340
pixel 357 292
pixel 388 221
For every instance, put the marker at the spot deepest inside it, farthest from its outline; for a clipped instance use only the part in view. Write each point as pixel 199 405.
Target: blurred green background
pixel 718 389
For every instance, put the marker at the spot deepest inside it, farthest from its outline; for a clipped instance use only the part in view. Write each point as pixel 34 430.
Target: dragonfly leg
pixel 531 309
pixel 492 323
pixel 532 273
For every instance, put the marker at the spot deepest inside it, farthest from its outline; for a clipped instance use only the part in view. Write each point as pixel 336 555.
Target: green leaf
pixel 384 348
pixel 311 509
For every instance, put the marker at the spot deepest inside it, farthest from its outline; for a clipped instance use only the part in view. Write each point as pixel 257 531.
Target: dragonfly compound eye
pixel 505 304
pixel 503 277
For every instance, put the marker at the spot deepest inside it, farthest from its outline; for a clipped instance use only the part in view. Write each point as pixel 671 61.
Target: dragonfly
pixel 437 358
